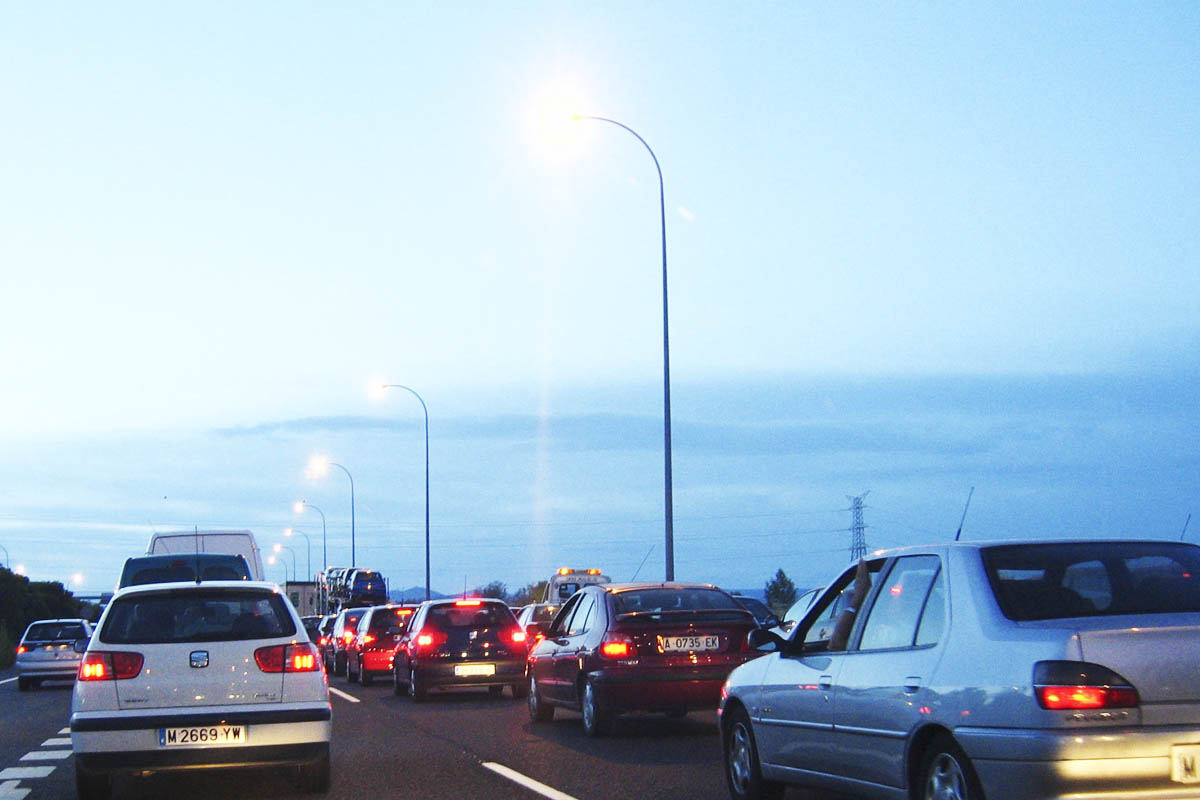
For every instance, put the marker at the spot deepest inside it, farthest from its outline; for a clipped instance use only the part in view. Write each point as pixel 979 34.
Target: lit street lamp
pixel 667 501
pixel 320 466
pixel 278 547
pixel 426 410
pixel 299 509
pixel 272 560
pixel 307 547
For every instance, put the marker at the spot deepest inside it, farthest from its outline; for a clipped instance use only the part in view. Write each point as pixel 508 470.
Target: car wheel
pixel 539 709
pixel 365 678
pixel 947 774
pixel 399 687
pixel 314 776
pixel 416 687
pixel 339 664
pixel 519 690
pixel 91 785
pixel 743 771
pixel 596 721
pixel 351 676
pixel 24 684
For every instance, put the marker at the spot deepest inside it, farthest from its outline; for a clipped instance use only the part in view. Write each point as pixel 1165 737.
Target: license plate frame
pixel 690 643
pixel 474 670
pixel 203 736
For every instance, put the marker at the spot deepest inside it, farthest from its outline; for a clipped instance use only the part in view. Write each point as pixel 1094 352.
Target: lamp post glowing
pixel 272 560
pixel 299 509
pixel 278 548
pixel 667 499
pixel 307 546
pixel 424 408
pixel 320 466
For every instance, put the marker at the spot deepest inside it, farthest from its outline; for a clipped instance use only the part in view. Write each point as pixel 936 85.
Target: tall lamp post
pixel 307 546
pixel 299 509
pixel 321 465
pixel 425 409
pixel 272 560
pixel 278 547
pixel 667 500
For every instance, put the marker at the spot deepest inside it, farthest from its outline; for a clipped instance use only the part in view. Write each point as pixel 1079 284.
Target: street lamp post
pixel 425 409
pixel 667 499
pixel 307 546
pixel 279 547
pixel 353 559
pixel 299 509
pixel 283 564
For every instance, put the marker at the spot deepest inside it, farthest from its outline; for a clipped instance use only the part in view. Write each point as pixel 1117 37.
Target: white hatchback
pixel 183 675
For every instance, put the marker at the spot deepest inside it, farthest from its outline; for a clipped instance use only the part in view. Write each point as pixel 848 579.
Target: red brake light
pixel 472 601
pixel 347 637
pixel 21 649
pixel 324 640
pixel 368 638
pixel 1079 698
pixel 517 635
pixel 430 638
pixel 110 666
pixel 616 645
pixel 287 658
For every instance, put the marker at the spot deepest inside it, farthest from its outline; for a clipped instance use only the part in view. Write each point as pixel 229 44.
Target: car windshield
pixel 168 617
pixel 488 615
pixel 650 604
pixel 54 631
pixel 383 619
pixel 1080 579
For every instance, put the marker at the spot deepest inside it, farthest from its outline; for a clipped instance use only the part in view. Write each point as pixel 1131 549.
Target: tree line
pixel 23 601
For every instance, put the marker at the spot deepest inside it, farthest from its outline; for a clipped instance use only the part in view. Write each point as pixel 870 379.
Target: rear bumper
pixel 692 689
pixel 443 675
pixel 377 660
pixel 202 758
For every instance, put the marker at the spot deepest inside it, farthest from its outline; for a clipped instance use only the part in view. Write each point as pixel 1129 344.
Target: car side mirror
pixel 80 645
pixel 535 629
pixel 765 640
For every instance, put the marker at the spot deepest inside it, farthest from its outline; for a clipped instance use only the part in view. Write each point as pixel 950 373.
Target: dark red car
pixel 345 626
pixel 369 654
pixel 663 647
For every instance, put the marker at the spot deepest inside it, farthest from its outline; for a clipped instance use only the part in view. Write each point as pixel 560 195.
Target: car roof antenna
pixel 196 560
pixel 1185 524
pixel 964 516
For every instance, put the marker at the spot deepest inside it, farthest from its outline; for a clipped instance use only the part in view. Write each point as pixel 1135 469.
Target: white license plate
pixel 220 735
pixel 472 670
pixel 688 644
pixel 1185 763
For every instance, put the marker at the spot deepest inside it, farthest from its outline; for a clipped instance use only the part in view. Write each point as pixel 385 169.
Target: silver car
pixel 47 651
pixel 1032 669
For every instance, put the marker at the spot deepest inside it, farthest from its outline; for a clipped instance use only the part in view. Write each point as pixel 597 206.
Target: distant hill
pixel 414 594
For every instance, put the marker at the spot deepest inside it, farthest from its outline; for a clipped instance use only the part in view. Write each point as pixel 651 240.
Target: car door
pixel 542 657
pixel 794 717
pixel 880 692
pixel 572 647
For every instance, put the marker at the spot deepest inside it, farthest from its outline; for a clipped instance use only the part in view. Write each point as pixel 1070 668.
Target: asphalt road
pixel 387 746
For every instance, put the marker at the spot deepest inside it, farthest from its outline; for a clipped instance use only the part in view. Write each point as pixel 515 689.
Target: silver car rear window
pixel 54 632
pixel 196 616
pixel 1085 579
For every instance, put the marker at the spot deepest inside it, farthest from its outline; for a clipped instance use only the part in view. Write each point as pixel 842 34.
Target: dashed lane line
pixel 57 741
pixel 343 695
pixel 46 755
pixel 23 773
pixel 12 790
pixel 528 782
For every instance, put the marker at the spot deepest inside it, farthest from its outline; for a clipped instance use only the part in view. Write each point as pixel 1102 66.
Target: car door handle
pixel 825 682
pixel 912 683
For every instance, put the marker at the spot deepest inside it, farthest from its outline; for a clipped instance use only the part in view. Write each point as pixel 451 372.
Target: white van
pixel 240 542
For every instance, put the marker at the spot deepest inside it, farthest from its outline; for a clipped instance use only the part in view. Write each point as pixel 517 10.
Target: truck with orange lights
pixel 566 581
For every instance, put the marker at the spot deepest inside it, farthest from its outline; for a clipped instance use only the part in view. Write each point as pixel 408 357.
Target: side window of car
pixel 581 619
pixel 892 619
pixel 933 618
pixel 559 624
pixel 827 610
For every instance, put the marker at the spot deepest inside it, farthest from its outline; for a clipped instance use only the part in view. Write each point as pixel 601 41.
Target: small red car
pixel 369 653
pixel 612 648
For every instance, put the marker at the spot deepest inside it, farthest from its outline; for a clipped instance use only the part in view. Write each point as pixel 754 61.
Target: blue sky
pixel 912 249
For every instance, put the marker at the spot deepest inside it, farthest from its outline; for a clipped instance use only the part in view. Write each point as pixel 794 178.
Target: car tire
pixel 539 709
pixel 743 770
pixel 315 775
pixel 946 773
pixel 92 785
pixel 339 664
pixel 597 721
pixel 519 690
pixel 351 676
pixel 416 687
pixel 24 684
pixel 365 678
pixel 399 687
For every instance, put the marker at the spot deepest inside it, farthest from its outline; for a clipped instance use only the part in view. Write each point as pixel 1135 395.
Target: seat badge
pixel 198 659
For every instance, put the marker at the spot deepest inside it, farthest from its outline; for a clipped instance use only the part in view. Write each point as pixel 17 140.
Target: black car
pixel 763 615
pixel 466 642
pixel 176 567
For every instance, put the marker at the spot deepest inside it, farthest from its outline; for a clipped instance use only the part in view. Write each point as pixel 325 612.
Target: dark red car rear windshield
pixel 659 603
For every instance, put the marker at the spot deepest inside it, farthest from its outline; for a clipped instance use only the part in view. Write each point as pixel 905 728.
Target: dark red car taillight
pixel 618 645
pixel 106 666
pixel 288 658
pixel 1081 686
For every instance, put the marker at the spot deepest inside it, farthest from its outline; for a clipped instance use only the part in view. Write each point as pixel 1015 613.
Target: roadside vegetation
pixel 22 601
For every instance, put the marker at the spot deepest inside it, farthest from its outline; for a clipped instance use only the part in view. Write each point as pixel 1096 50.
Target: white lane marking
pixel 12 790
pixel 56 742
pixel 527 782
pixel 21 773
pixel 8 680
pixel 343 695
pixel 63 731
pixel 46 755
